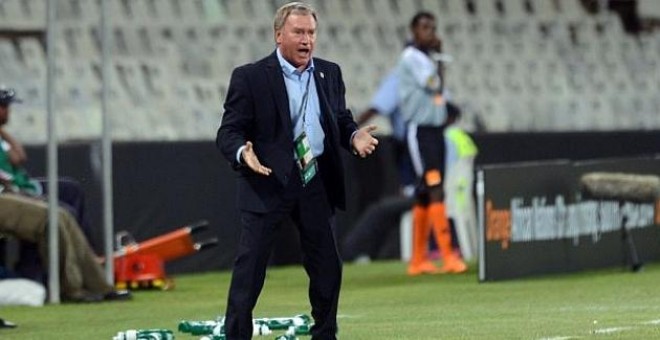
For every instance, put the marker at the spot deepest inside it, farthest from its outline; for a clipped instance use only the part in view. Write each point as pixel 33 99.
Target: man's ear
pixel 278 37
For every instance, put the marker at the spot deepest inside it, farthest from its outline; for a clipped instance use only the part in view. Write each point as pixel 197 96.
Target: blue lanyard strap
pixel 303 106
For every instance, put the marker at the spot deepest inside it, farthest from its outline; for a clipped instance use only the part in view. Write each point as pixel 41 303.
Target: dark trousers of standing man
pixel 309 209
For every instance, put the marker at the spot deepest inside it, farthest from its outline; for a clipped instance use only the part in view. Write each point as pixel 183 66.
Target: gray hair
pixel 283 13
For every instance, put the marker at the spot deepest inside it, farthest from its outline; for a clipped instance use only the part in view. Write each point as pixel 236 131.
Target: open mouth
pixel 303 51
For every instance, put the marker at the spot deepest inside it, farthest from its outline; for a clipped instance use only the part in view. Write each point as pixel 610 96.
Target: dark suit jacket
pixel 257 110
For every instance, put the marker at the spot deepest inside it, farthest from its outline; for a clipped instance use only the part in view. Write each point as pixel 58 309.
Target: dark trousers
pixel 309 209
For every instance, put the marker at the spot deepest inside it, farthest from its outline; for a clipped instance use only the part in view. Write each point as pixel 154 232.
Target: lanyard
pixel 303 106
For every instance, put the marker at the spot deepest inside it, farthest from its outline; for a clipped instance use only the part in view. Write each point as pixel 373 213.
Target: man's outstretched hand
pixel 363 143
pixel 251 160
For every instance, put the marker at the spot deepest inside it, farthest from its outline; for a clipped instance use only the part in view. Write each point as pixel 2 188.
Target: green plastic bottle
pixel 198 327
pixel 283 323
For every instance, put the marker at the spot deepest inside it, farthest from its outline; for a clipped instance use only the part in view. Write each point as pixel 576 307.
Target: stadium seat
pixel 334 12
pixel 466 78
pixel 132 80
pixel 605 116
pixel 5 21
pixel 655 106
pixel 365 39
pixel 515 10
pixel 117 92
pixel 190 12
pixel 213 12
pixel 166 13
pixel 456 8
pixel 360 8
pixel 34 12
pixel 544 10
pixel 156 80
pixel 29 122
pixel 513 80
pixel 80 41
pixel 9 62
pixel 433 6
pixel 488 10
pixel 406 9
pixel 385 36
pixel 236 10
pixel 12 16
pixel 386 12
pixel 137 41
pixel 89 13
pixel 532 111
pixel 32 53
pixel 571 10
pixel 262 11
pixel 82 75
pixel 648 8
pixel 118 12
pixel 496 115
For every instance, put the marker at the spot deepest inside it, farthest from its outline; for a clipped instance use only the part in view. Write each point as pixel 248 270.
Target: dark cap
pixel 8 96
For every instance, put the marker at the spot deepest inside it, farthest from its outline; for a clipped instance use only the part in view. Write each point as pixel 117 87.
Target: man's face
pixel 296 39
pixel 424 33
pixel 4 114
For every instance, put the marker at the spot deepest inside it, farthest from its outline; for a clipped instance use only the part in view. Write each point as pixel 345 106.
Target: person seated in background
pixel 82 278
pixel 12 167
pixel 12 161
pixel 13 156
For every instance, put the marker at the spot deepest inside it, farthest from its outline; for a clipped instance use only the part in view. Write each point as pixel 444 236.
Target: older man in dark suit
pixel 284 121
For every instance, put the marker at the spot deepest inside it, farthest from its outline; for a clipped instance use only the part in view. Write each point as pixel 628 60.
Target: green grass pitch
pixel 379 301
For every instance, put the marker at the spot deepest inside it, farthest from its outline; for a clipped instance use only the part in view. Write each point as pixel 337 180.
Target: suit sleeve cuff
pixel 350 142
pixel 238 154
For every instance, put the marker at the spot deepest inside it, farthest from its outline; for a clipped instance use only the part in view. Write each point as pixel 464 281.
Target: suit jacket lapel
pixel 276 80
pixel 321 90
pixel 327 118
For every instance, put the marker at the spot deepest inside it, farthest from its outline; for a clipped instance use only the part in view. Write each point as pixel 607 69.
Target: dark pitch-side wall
pixel 160 186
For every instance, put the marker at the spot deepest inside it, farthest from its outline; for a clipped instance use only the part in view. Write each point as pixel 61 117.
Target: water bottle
pixel 299 330
pixel 145 334
pixel 284 323
pixel 260 329
pixel 197 327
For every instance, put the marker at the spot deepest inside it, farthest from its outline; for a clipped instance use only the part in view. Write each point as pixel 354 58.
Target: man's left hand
pixel 363 143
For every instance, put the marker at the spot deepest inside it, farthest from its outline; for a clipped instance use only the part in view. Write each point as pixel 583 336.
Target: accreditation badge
pixel 307 164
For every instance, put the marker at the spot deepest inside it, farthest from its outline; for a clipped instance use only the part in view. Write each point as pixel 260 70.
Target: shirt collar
pixel 289 69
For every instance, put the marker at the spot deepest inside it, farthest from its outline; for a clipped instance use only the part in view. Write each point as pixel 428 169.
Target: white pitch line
pixel 651 322
pixel 611 330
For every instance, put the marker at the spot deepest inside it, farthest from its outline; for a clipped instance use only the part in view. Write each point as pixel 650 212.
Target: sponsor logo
pixel 537 219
